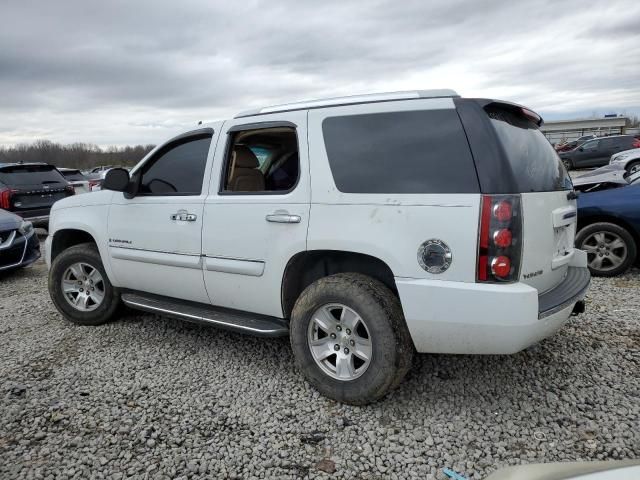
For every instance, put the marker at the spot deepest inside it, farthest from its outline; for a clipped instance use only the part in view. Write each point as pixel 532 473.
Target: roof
pixel 350 100
pixel 16 164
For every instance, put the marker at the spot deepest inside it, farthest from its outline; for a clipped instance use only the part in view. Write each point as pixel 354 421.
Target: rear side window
pixel 400 152
pixel 535 164
pixel 30 175
pixel 177 170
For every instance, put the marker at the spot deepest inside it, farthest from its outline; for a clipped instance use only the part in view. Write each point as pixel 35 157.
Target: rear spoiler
pixel 517 108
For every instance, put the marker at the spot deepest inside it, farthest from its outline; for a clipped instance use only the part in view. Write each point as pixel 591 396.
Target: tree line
pixel 75 155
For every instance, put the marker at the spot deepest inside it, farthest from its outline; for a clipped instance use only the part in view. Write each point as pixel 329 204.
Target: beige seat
pixel 244 175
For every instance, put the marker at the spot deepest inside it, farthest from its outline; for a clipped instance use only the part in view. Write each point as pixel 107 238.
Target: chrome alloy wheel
pixel 605 250
pixel 83 287
pixel 339 341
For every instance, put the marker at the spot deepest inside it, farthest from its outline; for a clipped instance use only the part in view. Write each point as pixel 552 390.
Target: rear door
pixel 549 214
pixel 34 188
pixel 257 212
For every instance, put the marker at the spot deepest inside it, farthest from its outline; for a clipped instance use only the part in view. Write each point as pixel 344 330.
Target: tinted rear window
pixel 400 152
pixel 535 164
pixel 74 175
pixel 30 175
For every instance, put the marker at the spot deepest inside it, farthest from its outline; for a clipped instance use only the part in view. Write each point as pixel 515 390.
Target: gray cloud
pixel 136 72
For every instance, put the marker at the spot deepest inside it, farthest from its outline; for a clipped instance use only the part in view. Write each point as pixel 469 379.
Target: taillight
pixel 499 239
pixel 93 183
pixel 5 198
pixel 636 143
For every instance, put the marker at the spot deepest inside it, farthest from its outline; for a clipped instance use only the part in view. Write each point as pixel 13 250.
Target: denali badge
pixel 532 274
pixel 435 256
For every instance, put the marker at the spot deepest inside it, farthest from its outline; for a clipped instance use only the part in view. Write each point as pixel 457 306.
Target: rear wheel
pixel 80 288
pixel 633 167
pixel 349 338
pixel 611 249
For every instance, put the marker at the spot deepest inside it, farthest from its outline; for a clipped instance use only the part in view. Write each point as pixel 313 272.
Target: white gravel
pixel 148 397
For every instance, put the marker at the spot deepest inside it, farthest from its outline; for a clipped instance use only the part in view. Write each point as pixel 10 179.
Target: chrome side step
pixel 249 323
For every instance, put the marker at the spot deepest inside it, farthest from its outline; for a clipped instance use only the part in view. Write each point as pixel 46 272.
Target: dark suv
pixel 30 189
pixel 597 152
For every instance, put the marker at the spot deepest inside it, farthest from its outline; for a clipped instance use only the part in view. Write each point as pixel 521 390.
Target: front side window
pixel 261 161
pixel 592 145
pixel 423 151
pixel 177 169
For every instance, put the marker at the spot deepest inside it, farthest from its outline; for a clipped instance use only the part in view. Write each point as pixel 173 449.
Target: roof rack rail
pixel 350 100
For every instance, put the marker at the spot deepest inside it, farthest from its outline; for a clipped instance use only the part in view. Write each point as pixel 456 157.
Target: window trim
pixel 255 126
pixel 177 141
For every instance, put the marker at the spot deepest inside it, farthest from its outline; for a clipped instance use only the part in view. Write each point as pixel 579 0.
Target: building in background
pixel 569 130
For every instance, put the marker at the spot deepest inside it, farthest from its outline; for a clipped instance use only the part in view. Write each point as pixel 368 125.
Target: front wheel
pixel 80 288
pixel 633 167
pixel 349 338
pixel 610 248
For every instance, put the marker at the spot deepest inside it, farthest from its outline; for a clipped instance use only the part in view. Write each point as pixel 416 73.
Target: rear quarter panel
pixel 390 227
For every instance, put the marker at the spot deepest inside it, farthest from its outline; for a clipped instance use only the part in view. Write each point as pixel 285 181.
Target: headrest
pixel 245 158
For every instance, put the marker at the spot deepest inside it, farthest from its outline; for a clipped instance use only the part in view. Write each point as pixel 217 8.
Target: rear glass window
pixel 535 164
pixel 400 152
pixel 30 175
pixel 74 175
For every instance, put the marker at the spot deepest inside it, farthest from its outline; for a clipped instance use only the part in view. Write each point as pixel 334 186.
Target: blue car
pixel 609 227
pixel 19 244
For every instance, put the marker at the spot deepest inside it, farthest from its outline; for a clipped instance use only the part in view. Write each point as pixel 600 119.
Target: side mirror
pixel 116 179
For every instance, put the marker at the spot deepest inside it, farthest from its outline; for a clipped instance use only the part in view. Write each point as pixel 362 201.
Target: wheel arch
pixel 307 266
pixel 68 237
pixel 591 219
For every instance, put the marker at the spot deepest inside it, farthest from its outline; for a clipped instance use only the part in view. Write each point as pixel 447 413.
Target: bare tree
pixel 75 155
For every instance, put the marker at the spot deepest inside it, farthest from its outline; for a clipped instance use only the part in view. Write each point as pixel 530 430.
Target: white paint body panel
pixel 236 230
pixel 232 257
pixel 160 255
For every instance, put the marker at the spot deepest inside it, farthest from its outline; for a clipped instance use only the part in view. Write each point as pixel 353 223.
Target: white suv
pixel 365 228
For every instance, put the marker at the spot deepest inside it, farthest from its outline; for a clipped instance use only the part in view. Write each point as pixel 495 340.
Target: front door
pixel 155 237
pixel 257 211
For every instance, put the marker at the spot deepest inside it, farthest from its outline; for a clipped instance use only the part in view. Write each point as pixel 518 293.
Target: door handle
pixel 283 217
pixel 183 216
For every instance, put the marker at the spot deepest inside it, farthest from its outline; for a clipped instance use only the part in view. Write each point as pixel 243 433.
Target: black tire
pixel 392 348
pixel 587 232
pixel 568 164
pixel 85 253
pixel 633 167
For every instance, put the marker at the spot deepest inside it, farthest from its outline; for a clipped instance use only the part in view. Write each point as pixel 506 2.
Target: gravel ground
pixel 148 397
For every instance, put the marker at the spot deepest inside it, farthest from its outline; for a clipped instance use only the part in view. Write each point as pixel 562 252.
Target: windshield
pixel 535 163
pixel 30 175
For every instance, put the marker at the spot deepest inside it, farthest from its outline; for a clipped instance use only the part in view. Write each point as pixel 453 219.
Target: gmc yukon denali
pixel 365 228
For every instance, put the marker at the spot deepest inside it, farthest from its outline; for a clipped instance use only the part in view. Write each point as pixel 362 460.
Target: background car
pixel 30 189
pixel 76 178
pixel 603 178
pixel 598 151
pixel 629 159
pixel 566 146
pixel 19 245
pixel 609 228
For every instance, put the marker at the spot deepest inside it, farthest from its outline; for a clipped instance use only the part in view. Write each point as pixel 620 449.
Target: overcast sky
pixel 128 72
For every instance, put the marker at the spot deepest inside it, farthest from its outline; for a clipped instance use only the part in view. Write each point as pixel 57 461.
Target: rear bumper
pixel 471 318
